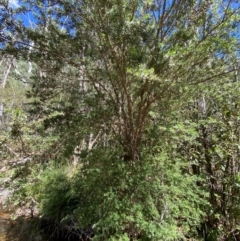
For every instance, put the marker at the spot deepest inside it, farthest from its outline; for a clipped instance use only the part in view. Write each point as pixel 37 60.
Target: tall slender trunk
pixel 3 84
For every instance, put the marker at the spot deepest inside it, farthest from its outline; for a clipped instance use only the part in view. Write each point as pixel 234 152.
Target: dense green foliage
pixel 132 121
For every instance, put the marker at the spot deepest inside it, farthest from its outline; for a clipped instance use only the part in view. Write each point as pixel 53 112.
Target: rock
pixel 3 169
pixel 4 195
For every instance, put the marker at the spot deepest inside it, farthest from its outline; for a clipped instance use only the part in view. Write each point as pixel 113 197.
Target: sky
pixel 14 3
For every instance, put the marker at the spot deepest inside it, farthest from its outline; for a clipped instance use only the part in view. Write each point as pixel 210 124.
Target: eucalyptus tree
pixel 6 64
pixel 110 77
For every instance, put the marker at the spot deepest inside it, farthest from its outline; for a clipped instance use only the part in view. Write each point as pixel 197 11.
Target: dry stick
pixel 11 150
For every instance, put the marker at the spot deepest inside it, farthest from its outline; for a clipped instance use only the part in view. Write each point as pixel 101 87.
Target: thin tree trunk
pixel 4 81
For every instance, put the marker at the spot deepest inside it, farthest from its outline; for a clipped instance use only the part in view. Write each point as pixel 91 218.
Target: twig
pixel 10 149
